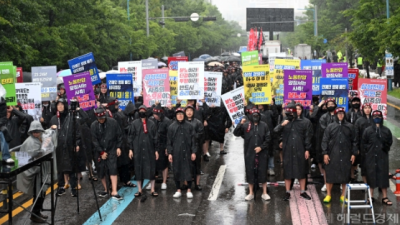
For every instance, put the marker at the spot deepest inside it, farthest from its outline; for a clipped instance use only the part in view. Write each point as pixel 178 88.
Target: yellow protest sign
pixel 257 84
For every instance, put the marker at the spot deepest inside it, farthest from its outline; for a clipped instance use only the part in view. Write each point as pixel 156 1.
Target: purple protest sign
pixel 334 70
pixel 79 86
pixel 298 87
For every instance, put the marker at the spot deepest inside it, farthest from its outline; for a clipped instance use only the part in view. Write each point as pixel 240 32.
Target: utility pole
pixel 316 20
pixel 388 15
pixel 162 14
pixel 347 58
pixel 130 38
pixel 147 18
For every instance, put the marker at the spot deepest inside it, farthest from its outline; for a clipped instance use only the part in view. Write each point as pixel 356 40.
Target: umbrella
pixel 236 54
pixel 165 58
pixel 60 80
pixel 198 59
pixel 226 54
pixel 213 59
pixel 214 64
pixel 161 64
pixel 205 56
pixel 231 59
pixel 64 73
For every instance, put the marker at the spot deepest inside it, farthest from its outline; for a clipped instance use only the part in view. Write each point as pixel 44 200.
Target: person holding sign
pixel 182 148
pixel 376 142
pixel 198 129
pixel 339 147
pixel 143 141
pixel 296 144
pixel 257 138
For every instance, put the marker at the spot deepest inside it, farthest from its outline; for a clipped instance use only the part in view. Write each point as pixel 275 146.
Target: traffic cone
pixel 397 192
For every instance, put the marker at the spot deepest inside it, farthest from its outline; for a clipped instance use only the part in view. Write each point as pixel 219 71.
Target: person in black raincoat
pixel 143 142
pixel 219 123
pixel 376 141
pixel 198 129
pixel 67 159
pixel 61 92
pixel 107 138
pixel 257 138
pixel 296 144
pixel 339 147
pixel 47 113
pixel 162 123
pixel 324 121
pixel 351 116
pixel 182 148
pixel 123 161
pixel 103 95
pixel 14 122
pixel 361 124
pixel 318 109
pixel 269 120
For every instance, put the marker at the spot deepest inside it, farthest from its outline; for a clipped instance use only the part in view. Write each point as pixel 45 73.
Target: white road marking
pixel 217 183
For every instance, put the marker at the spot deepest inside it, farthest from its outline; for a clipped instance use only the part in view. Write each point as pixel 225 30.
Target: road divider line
pixel 112 209
pixel 392 105
pixel 217 183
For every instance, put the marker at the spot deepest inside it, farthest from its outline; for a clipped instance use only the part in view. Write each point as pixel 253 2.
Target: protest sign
pixel 277 86
pixel 47 76
pixel 120 87
pixel 257 84
pixel 271 60
pixel 212 88
pixel 298 87
pixel 173 82
pixel 20 75
pixel 156 87
pixel 79 86
pixel 30 98
pixel 336 88
pixel 287 64
pixel 134 68
pixel 7 77
pixel 353 79
pixel 149 64
pixel 190 80
pixel 315 66
pixel 85 63
pixel 173 62
pixel 234 104
pixel 250 58
pixel 334 70
pixel 374 91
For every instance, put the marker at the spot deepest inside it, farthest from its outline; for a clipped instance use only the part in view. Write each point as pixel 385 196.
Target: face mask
pixel 45 105
pixel 290 117
pixel 256 118
pixel 324 110
pixel 331 108
pixel 356 106
pixel 378 120
pixel 142 114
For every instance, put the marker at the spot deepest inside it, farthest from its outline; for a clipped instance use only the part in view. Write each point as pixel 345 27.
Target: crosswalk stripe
pixel 217 183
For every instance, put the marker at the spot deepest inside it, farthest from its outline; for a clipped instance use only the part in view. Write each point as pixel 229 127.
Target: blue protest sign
pixel 120 87
pixel 315 66
pixel 336 88
pixel 85 63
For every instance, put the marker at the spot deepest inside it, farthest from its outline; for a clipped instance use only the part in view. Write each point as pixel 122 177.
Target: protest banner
pixel 213 88
pixel 20 75
pixel 190 80
pixel 250 58
pixel 120 87
pixel 271 59
pixel 85 63
pixel 336 88
pixel 30 98
pixel 374 91
pixel 173 62
pixel 315 66
pixel 277 86
pixel 79 86
pixel 257 84
pixel 156 87
pixel 287 64
pixel 47 76
pixel 234 104
pixel 7 77
pixel 353 79
pixel 298 87
pixel 334 70
pixel 134 68
pixel 173 82
pixel 149 64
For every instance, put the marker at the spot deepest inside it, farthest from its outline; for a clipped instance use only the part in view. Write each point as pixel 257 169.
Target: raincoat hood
pixel 35 125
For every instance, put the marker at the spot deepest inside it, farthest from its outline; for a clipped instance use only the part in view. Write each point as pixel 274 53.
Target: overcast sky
pixel 236 9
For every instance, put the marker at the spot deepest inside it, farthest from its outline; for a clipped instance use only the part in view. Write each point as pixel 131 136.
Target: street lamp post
pixel 315 19
pixel 130 38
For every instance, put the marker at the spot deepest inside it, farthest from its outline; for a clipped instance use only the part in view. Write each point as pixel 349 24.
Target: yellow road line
pixel 16 195
pixel 394 106
pixel 25 205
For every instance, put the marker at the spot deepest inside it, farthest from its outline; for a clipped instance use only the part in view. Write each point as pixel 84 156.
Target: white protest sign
pixel 234 103
pixel 190 80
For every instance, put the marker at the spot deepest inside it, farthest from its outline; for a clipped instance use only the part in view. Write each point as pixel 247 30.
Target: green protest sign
pixel 7 78
pixel 250 58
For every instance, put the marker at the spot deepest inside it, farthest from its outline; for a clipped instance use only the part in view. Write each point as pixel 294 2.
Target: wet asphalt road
pixel 230 206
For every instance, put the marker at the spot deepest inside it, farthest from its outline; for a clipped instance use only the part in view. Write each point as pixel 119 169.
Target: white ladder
pixel 357 187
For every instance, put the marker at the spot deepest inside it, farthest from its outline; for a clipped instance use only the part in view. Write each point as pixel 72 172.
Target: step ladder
pixel 350 203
